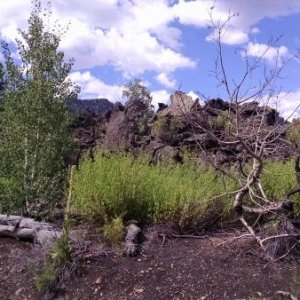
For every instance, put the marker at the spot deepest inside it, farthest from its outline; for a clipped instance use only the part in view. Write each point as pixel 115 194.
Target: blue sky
pixel 166 43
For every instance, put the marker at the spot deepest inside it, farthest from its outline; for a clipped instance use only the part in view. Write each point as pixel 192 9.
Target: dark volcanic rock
pixel 160 151
pixel 127 126
pixel 136 128
pixel 217 104
pixel 88 126
pixel 94 106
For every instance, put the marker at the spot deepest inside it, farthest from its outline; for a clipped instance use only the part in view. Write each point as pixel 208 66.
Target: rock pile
pixel 183 124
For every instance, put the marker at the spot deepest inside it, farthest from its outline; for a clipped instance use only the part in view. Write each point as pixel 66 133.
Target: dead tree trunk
pixel 255 139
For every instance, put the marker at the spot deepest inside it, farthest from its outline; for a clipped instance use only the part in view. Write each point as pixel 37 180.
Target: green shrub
pixel 278 178
pixel 119 184
pixel 222 121
pixel 293 132
pixel 185 194
pixel 56 263
pixel 10 196
pixel 166 128
pixel 58 260
pixel 113 231
pixel 44 279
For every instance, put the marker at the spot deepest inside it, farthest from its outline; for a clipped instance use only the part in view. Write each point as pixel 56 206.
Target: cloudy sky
pixel 167 43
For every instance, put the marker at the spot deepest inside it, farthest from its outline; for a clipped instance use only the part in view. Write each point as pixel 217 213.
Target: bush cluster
pixel 186 194
pixel 120 184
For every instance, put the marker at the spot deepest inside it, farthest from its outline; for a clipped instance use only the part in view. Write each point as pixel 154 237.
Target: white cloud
pixel 9 33
pixel 193 13
pixel 170 37
pixel 132 36
pixel 193 95
pixel 14 12
pixel 271 54
pixel 255 30
pixel 196 13
pixel 160 96
pixel 166 80
pixel 92 87
pixel 154 16
pixel 138 40
pixel 289 104
pixel 130 52
pixel 137 36
pixel 230 37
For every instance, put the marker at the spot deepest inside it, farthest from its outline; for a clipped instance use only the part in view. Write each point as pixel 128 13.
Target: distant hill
pixel 96 106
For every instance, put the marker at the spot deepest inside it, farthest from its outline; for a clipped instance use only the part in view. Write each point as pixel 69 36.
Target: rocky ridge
pixel 134 127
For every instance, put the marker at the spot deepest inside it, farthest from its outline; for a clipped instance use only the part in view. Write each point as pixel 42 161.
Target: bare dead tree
pixel 257 86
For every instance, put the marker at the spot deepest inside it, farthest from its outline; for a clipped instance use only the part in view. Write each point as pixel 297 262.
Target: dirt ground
pixel 212 268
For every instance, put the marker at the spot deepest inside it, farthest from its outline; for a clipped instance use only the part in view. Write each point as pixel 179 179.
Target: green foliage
pixel 46 278
pixel 166 128
pixel 160 127
pixel 57 262
pixel 119 184
pixel 113 231
pixel 34 127
pixel 2 82
pixel 9 195
pixel 59 258
pixel 220 122
pixel 278 178
pixel 142 127
pixel 187 194
pixel 135 90
pixel 293 133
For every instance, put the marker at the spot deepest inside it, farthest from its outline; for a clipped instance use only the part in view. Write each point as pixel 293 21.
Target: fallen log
pixel 22 228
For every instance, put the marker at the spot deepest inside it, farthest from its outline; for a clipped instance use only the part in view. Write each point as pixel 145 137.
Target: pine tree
pixel 35 123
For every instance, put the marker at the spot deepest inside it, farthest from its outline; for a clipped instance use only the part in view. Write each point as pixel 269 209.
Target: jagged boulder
pixel 88 126
pixel 159 151
pixel 127 126
pixel 180 105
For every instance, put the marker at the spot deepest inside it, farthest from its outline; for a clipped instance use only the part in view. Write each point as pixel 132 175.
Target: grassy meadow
pixel 120 185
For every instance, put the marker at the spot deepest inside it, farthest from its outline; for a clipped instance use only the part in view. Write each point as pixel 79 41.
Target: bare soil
pixel 211 268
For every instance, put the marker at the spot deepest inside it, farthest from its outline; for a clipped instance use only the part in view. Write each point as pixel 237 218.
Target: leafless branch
pixel 256 86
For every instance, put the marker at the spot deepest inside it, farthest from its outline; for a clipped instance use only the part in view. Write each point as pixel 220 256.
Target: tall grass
pixel 121 185
pixel 278 178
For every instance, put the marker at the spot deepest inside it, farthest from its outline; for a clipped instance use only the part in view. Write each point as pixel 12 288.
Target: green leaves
pixel 135 90
pixel 120 184
pixel 34 122
pixel 2 81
